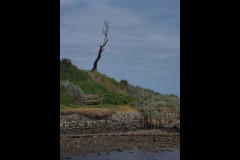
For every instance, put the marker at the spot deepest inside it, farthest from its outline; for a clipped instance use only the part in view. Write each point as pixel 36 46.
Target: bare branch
pixel 105 42
pixel 105 32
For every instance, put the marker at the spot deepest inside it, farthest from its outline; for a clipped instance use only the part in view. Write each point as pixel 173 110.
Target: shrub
pixel 66 62
pixel 124 82
pixel 151 112
pixel 72 89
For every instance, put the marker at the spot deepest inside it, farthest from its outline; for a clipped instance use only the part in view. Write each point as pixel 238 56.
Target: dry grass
pixel 105 81
pixel 96 113
pixel 123 108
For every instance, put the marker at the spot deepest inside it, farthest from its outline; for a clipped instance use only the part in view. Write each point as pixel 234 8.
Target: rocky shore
pixel 148 140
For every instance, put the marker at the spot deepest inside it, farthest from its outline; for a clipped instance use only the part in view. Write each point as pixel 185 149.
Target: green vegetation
pixel 151 103
pixel 90 82
pixel 72 89
pixel 149 97
pixel 116 96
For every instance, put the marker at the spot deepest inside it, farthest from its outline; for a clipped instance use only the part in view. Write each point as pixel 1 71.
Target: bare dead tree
pixel 101 49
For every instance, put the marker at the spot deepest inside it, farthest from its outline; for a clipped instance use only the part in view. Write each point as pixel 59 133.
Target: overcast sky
pixel 144 40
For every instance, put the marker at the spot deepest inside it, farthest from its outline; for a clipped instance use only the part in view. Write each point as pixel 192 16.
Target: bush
pixel 65 99
pixel 124 82
pixel 151 112
pixel 66 62
pixel 72 89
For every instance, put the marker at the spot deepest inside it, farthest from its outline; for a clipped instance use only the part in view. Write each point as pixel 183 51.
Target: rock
pixel 119 150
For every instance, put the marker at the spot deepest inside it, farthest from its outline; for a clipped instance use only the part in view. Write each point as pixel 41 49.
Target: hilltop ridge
pixel 111 91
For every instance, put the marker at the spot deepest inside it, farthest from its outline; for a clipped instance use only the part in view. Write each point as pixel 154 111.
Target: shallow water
pixel 136 154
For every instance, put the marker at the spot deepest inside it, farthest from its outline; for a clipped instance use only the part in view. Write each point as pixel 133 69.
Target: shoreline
pixel 147 140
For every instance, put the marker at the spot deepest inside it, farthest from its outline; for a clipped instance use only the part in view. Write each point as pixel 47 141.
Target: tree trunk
pixel 98 58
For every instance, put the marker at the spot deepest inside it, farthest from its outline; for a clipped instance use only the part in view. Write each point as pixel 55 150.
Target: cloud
pixel 67 3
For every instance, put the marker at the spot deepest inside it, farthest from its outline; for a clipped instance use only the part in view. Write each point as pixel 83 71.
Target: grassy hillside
pixel 112 92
